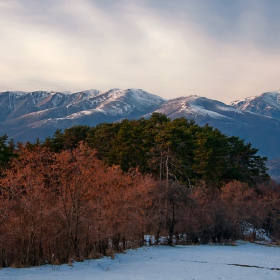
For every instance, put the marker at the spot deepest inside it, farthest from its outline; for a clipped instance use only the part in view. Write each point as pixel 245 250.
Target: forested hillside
pixel 90 191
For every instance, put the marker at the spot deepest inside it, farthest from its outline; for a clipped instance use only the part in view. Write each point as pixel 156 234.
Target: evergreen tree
pixel 6 152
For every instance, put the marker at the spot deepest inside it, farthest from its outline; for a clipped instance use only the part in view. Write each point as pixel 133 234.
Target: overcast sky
pixel 220 49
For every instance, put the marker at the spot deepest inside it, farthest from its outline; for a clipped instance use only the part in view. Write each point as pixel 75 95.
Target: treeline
pixel 178 150
pixel 88 191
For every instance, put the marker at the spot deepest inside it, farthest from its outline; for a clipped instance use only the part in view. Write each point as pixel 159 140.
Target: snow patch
pixel 200 262
pixel 271 99
pixel 82 113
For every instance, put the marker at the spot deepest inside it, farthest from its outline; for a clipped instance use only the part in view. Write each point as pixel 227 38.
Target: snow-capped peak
pixel 272 98
pixel 242 101
pixel 266 104
pixel 194 106
pixel 118 101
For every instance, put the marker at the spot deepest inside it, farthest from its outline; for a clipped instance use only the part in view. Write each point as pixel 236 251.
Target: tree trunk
pixel 3 261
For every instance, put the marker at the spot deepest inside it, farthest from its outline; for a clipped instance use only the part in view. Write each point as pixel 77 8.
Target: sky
pixel 220 49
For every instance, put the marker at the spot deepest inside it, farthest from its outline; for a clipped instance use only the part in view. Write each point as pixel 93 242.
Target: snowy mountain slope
pixel 203 110
pixel 267 104
pixel 18 104
pixel 47 104
pixel 25 115
pixel 195 106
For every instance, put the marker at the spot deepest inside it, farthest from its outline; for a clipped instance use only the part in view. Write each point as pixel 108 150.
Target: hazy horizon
pixel 224 50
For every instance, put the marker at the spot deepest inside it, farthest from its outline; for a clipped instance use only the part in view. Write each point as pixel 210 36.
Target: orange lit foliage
pixel 58 206
pixel 220 215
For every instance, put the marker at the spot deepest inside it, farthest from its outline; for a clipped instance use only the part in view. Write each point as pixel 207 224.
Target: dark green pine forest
pixel 178 150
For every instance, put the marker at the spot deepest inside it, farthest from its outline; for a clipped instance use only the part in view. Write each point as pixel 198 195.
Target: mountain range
pixel 25 116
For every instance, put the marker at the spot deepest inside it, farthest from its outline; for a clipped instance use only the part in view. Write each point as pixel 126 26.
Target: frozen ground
pixel 245 261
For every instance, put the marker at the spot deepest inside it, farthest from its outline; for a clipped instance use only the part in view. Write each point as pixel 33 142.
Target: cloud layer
pixel 191 47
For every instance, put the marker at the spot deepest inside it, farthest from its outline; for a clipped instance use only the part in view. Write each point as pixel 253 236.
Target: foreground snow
pixel 245 261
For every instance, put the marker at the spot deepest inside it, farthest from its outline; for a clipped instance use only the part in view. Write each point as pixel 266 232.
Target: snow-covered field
pixel 245 261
